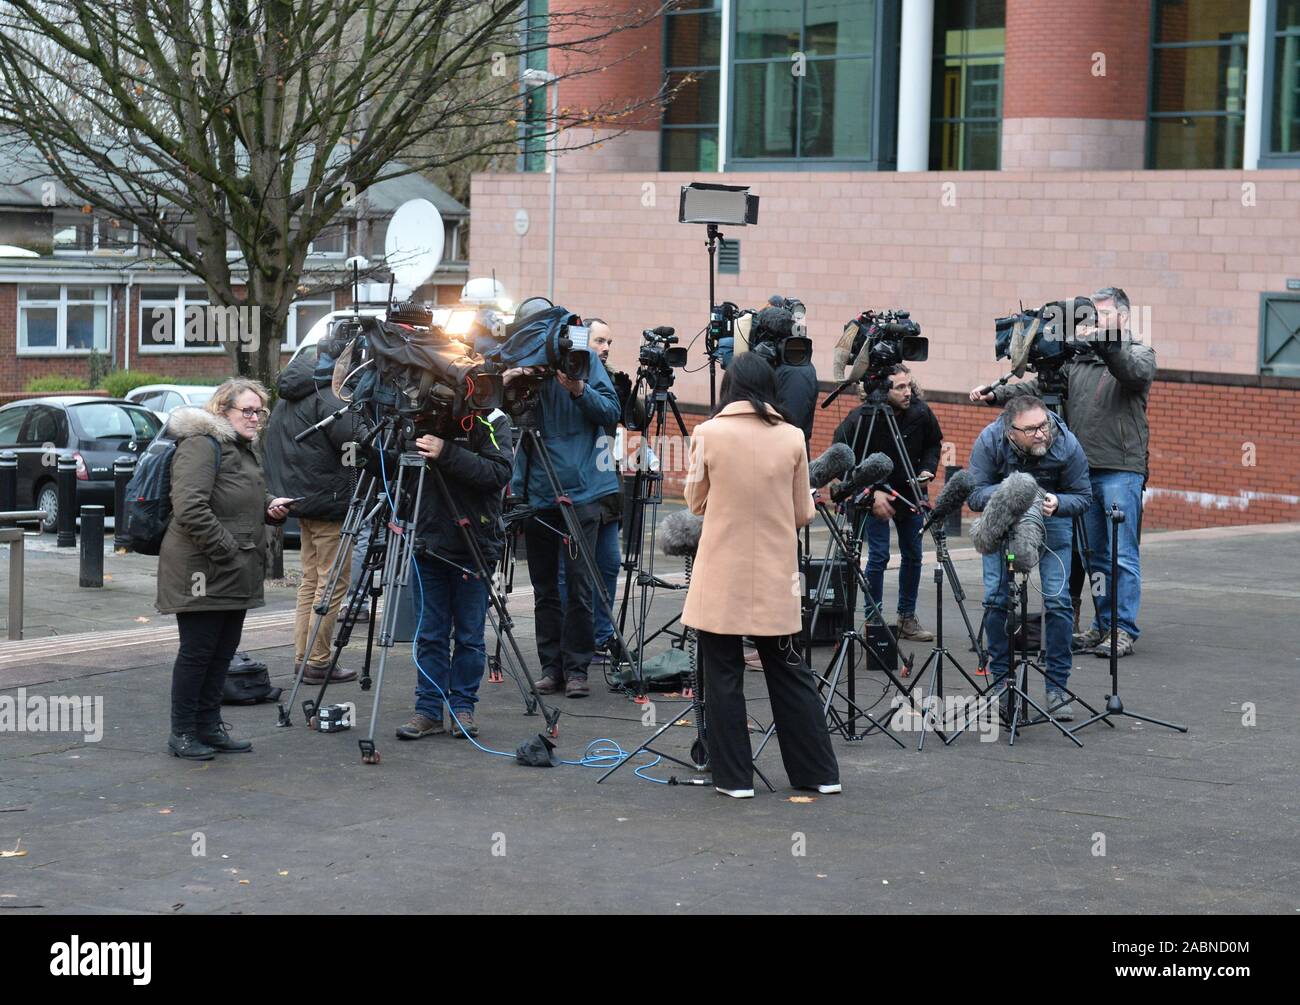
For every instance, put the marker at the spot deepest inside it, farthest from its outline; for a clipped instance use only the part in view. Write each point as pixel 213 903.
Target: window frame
pixel 666 128
pixel 1262 367
pixel 967 59
pixel 60 348
pixel 1152 115
pixel 1268 157
pixel 94 250
pixel 178 323
pixel 290 342
pixel 882 129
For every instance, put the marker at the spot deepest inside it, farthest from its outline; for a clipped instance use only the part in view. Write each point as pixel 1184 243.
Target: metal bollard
pixel 92 546
pixel 66 522
pixel 8 484
pixel 952 525
pixel 123 469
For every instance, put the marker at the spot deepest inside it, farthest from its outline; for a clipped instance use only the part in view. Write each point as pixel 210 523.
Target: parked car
pixel 93 431
pixel 163 399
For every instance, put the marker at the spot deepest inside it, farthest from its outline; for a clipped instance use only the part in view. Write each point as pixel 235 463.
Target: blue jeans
pixel 452 605
pixel 608 559
pixel 909 549
pixel 1058 619
pixel 1122 488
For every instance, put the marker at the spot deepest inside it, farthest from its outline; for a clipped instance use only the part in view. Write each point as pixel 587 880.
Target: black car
pixel 93 431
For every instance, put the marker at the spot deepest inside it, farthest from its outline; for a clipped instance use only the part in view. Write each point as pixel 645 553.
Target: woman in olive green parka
pixel 212 561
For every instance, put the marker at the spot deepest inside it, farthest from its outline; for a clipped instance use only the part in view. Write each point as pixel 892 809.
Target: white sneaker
pixel 736 793
pixel 830 790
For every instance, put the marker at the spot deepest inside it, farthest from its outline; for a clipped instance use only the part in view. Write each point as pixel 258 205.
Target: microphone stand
pixel 1114 704
pixel 1017 688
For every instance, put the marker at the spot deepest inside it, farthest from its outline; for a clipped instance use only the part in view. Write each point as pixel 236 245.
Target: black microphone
pixel 875 468
pixel 951 497
pixel 837 459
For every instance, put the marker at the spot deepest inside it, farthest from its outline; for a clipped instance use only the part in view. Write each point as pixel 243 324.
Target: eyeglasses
pixel 261 414
pixel 1039 430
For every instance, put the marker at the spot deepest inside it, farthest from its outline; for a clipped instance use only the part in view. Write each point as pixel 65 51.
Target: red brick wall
pixel 1049 60
pixel 613 73
pixel 1200 436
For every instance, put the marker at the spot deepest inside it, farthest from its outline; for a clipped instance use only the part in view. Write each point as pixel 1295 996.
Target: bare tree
pixel 258 124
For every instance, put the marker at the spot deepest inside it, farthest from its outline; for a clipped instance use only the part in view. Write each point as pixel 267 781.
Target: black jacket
pixel 922 438
pixel 476 469
pixel 316 467
pixel 796 392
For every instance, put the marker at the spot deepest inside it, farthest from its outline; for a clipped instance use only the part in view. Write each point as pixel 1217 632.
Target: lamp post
pixel 534 77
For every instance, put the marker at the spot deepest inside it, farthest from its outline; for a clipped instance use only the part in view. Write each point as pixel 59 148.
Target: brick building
pixel 954 158
pixel 73 281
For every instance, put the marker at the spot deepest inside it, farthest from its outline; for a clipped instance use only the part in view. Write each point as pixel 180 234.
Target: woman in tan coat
pixel 748 478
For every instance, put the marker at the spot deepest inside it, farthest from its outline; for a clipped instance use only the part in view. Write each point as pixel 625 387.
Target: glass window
pixel 46 425
pixel 176 317
pixel 1198 87
pixel 29 231
pixel 302 316
pixel 1285 130
pixel 11 423
pixel 966 91
pixel 63 318
pixel 692 50
pixel 331 241
pixel 106 421
pixel 804 79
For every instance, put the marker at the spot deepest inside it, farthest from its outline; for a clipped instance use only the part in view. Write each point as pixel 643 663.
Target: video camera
pixel 779 334
pixel 408 367
pixel 1044 339
pixel 546 340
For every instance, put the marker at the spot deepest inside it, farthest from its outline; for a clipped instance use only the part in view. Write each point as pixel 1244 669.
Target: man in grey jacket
pixel 1029 438
pixel 1106 408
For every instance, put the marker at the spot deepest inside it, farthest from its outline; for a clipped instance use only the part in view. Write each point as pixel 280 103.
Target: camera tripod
pixel 396 514
pixel 647 493
pixel 533 444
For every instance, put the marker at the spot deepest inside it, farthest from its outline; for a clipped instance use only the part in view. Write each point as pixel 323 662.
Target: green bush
pixel 56 385
pixel 117 384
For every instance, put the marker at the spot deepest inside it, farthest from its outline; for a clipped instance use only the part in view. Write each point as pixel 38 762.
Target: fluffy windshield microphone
pixel 1007 505
pixel 875 468
pixel 830 465
pixel 680 533
pixel 951 498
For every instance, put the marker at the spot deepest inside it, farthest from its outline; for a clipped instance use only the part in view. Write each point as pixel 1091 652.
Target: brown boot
pixel 909 628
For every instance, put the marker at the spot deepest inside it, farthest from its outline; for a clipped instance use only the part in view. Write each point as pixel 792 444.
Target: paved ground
pixel 1198 822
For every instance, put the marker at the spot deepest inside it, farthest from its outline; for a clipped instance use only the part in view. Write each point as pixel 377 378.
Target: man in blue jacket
pixel 1029 438
pixel 571 416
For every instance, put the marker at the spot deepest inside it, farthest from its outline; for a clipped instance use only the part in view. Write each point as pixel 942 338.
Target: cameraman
pixel 476 468
pixel 796 383
pixel 1027 437
pixel 608 554
pixel 572 416
pixel 1106 408
pixel 922 439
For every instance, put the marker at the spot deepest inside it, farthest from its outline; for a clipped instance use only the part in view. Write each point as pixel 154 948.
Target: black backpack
pixel 248 682
pixel 148 497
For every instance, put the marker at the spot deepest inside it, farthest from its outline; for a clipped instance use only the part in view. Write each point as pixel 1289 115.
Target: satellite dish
pixel 413 242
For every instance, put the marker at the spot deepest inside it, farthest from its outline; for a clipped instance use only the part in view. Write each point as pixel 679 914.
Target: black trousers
pixel 566 637
pixel 208 641
pixel 800 729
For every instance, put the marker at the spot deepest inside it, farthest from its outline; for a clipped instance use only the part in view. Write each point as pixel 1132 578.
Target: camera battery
pixel 334 718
